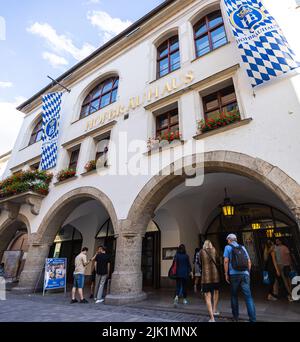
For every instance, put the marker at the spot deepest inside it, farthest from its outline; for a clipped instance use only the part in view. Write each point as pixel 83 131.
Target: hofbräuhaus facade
pixel 177 74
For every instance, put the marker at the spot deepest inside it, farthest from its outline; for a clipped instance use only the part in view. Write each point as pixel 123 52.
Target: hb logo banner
pixel 51 116
pixel 264 49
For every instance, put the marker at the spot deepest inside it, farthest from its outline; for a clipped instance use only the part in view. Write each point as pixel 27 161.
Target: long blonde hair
pixel 208 245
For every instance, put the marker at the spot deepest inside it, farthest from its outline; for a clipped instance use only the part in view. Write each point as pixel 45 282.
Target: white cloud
pixel 6 84
pixel 60 43
pixel 11 121
pixel 109 26
pixel 55 60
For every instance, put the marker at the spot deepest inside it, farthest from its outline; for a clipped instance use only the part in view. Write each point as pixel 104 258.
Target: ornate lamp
pixel 256 225
pixel 228 208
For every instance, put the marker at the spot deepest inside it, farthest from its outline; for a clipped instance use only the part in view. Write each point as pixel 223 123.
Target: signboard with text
pixel 55 274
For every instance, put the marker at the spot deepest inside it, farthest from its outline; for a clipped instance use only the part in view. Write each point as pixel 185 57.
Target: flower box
pixel 24 181
pixel 91 165
pixel 163 140
pixel 224 120
pixel 65 174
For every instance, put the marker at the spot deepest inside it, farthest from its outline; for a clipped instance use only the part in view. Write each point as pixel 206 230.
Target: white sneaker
pixel 212 321
pixel 99 301
pixel 176 301
pixel 217 313
pixel 185 302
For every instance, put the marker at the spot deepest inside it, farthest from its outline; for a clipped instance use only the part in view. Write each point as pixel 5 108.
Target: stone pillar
pixel 32 276
pixel 127 279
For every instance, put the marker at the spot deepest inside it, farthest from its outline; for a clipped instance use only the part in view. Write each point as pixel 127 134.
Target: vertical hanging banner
pixel 51 116
pixel 264 49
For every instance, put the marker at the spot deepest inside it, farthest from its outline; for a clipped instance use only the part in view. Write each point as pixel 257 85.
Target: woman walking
pixel 210 278
pixel 197 269
pixel 183 270
pixel 273 271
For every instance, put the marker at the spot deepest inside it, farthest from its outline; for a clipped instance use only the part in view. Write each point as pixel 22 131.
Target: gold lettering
pixel 189 77
pixel 101 118
pixel 174 84
pixel 89 125
pixel 167 89
pixel 134 102
pixel 121 110
pixel 113 114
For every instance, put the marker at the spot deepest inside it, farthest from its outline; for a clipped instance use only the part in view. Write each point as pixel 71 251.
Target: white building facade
pixel 173 68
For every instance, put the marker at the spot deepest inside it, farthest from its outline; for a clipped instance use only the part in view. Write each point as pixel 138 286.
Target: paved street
pixel 56 308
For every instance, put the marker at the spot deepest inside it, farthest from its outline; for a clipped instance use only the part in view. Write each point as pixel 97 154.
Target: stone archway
pixel 8 230
pixel 8 233
pixel 42 240
pixel 127 285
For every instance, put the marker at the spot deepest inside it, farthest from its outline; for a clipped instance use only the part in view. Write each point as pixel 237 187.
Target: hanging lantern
pixel 256 225
pixel 228 208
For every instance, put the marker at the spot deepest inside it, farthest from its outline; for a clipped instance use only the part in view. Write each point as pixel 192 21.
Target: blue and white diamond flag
pixel 51 116
pixel 264 49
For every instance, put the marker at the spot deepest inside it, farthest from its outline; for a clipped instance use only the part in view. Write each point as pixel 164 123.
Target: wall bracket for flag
pixel 56 82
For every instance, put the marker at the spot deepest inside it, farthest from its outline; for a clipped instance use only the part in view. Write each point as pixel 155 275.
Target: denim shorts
pixel 78 281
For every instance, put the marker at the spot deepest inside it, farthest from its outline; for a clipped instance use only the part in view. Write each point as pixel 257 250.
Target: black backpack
pixel 239 258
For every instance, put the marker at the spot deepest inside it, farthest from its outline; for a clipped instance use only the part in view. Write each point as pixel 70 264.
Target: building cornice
pixel 5 155
pixel 111 49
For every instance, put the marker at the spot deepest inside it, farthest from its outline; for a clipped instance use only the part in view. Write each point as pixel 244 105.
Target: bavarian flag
pixel 263 47
pixel 51 116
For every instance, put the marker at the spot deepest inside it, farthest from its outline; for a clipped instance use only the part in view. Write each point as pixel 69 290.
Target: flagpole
pixel 56 82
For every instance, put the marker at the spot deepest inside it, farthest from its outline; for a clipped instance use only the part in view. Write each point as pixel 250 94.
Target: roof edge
pixel 6 154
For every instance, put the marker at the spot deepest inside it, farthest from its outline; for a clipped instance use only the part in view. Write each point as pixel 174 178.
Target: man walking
pixel 79 276
pixel 102 268
pixel 237 265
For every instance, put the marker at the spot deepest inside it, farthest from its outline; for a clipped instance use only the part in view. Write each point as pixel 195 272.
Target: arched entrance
pixel 79 213
pixel 254 224
pixel 67 244
pixel 127 285
pixel 14 246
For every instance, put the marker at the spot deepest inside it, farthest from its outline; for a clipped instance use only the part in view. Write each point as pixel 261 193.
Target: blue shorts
pixel 78 281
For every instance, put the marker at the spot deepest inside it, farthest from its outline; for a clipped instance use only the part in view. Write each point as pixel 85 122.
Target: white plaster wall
pixel 273 135
pixel 170 236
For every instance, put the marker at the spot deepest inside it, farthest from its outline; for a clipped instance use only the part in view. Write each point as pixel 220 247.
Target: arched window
pixel 37 133
pixel 168 57
pixel 101 96
pixel 209 33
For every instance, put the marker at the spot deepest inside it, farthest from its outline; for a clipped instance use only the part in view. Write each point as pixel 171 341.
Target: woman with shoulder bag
pixel 210 278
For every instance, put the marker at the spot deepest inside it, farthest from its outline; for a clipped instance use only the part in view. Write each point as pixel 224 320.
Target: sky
pixel 40 38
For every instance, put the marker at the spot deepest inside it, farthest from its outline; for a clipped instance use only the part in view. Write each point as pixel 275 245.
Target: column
pixel 127 279
pixel 32 276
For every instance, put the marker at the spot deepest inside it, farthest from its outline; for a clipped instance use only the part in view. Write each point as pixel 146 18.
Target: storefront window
pixel 209 33
pixel 101 96
pixel 37 133
pixel 168 57
pixel 222 102
pixel 74 159
pixel 167 123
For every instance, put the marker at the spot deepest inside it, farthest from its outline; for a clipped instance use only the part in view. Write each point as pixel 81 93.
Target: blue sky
pixel 48 37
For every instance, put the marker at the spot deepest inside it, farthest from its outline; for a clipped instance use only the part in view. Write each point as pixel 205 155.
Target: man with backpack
pixel 237 265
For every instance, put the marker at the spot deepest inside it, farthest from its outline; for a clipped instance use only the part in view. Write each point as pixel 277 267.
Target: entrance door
pixel 151 260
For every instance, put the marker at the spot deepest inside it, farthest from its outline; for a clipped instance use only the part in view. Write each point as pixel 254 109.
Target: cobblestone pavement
pixel 56 308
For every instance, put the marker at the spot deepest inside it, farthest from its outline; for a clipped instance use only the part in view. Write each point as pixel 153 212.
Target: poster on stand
pixel 55 274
